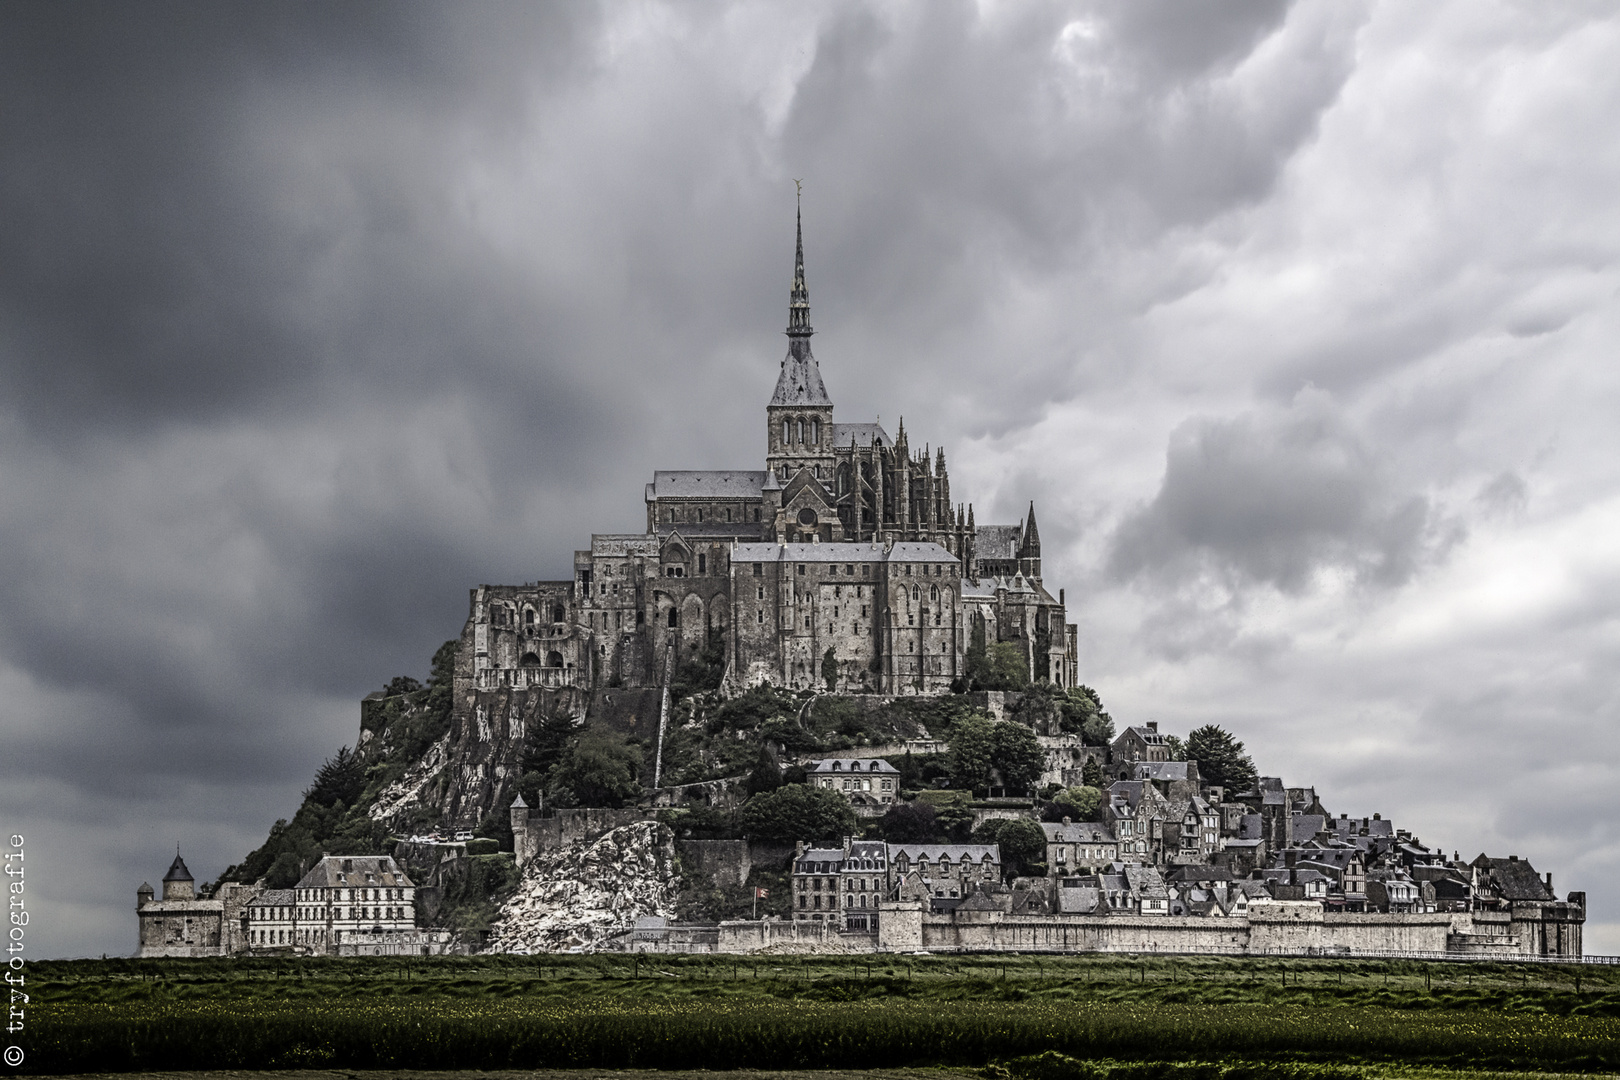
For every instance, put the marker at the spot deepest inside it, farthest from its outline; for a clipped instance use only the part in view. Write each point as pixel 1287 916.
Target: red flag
pixel 760 894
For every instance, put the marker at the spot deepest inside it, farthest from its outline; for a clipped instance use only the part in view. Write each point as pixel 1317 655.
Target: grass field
pixel 1028 1018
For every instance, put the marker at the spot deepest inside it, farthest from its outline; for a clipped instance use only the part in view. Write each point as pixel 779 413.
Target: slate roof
pixel 344 871
pixel 714 484
pixel 1302 827
pixel 1251 827
pixel 800 381
pixel 1160 770
pixel 841 553
pixel 997 541
pixel 851 765
pixel 859 434
pixel 273 898
pixel 1077 832
pixel 956 852
pixel 1514 879
pixel 178 871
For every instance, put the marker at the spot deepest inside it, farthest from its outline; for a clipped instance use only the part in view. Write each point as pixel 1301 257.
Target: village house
pixel 863 781
pixel 1075 847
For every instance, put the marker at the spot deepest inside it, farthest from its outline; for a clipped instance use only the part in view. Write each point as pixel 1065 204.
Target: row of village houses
pixel 1164 844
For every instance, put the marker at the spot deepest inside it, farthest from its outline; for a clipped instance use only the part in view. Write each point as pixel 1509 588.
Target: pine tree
pixel 1221 760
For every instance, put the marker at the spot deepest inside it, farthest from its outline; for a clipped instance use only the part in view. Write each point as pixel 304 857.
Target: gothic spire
pixel 799 383
pixel 799 296
pixel 1031 547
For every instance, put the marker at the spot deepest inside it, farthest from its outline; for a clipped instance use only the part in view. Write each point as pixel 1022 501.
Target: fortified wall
pixel 1269 929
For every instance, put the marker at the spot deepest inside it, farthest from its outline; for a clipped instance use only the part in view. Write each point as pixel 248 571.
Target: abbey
pixel 842 562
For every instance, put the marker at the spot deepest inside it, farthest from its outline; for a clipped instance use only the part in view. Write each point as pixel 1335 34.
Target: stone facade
pixel 845 545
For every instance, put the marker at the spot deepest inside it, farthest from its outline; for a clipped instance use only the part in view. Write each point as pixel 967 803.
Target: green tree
pixel 1022 842
pixel 1221 760
pixel 1007 668
pixel 600 769
pixel 910 823
pixel 797 812
pixel 971 751
pixel 1091 774
pixel 766 775
pixel 1080 803
pixel 1040 708
pixel 829 669
pixel 1177 748
pixel 955 816
pixel 1017 755
pixel 339 780
pixel 1083 714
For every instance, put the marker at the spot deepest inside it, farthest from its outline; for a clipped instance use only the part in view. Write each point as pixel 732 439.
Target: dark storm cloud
pixel 1277 500
pixel 165 240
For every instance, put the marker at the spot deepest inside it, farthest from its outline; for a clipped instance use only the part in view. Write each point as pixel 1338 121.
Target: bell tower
pixel 798 420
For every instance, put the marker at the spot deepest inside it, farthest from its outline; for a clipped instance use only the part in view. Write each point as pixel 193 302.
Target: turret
pixel 1029 548
pixel 178 884
pixel 143 896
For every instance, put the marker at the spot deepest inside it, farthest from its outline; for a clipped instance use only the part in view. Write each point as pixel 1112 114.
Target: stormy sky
pixel 1297 321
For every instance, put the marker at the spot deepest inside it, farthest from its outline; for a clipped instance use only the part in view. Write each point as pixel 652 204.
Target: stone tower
pixel 178 884
pixel 799 418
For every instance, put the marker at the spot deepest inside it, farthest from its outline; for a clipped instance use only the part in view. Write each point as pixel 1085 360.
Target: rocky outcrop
pixel 576 897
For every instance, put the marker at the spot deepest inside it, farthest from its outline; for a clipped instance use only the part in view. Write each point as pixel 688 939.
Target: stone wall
pixel 532 834
pixel 724 862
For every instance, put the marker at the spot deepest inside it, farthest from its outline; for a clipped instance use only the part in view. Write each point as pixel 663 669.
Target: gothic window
pixel 703 564
pixel 785 425
pixel 933 592
pixel 815 432
pixel 915 593
pixel 528 616
pixel 800 431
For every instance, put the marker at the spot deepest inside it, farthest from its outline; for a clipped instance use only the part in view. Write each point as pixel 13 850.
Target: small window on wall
pixel 756 513
pixel 703 564
pixel 785 426
pixel 815 433
pixel 759 569
pixel 728 513
pixel 674 617
pixel 700 514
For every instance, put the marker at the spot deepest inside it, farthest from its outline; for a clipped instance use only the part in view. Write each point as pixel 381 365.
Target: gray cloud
pixel 1278 500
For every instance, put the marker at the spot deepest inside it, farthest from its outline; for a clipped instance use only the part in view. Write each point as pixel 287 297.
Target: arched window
pixel 786 432
pixel 529 660
pixel 554 659
pixel 558 614
pixel 815 432
pixel 933 593
pixel 528 616
pixel 801 431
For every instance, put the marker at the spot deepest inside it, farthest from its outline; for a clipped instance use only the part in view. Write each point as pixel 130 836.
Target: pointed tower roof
pixel 800 381
pixel 177 870
pixel 1031 545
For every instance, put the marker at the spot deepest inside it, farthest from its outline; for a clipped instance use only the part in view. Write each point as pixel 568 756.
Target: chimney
pixel 1549 876
pixel 1513 858
pixel 1549 881
pixel 798 848
pixel 1378 817
pixel 1153 725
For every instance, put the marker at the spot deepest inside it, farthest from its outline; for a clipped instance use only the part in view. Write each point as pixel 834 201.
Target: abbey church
pixel 842 562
